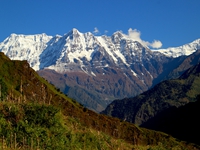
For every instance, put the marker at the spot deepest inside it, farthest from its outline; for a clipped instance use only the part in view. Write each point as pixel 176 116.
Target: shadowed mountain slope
pixel 169 93
pixel 179 122
pixel 184 64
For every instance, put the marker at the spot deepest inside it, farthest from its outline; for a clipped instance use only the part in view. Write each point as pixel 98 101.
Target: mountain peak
pixel 117 36
pixel 13 35
pixel 74 31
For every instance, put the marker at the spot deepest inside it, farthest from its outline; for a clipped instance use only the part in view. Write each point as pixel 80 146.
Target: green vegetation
pixel 3 89
pixel 34 126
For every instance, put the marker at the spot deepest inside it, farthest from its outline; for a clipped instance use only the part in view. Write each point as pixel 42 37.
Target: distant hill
pixel 182 123
pixel 184 64
pixel 167 94
pixel 36 115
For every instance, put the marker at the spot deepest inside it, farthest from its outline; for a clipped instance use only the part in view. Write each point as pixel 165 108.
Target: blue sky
pixel 173 22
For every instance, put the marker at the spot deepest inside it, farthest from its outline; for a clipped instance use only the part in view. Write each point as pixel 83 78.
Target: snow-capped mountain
pixel 102 67
pixel 25 47
pixel 186 49
pixel 44 51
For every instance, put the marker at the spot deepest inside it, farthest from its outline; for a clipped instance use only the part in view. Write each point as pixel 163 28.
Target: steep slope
pixel 185 64
pixel 94 70
pixel 26 94
pixel 179 122
pixel 178 66
pixel 169 93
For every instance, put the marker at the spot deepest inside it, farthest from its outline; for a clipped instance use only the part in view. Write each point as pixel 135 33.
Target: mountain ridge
pixel 85 41
pixel 134 67
pixel 166 94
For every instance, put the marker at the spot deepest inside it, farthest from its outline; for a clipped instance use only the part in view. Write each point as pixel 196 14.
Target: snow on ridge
pixel 186 49
pixel 80 46
pixel 25 47
pixel 93 74
pixel 135 74
pixel 43 51
pixel 104 44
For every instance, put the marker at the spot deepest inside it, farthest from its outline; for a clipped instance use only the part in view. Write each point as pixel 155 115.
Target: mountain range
pixel 35 115
pixel 95 70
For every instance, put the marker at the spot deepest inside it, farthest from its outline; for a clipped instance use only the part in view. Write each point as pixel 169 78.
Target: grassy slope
pixel 22 126
pixel 25 87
